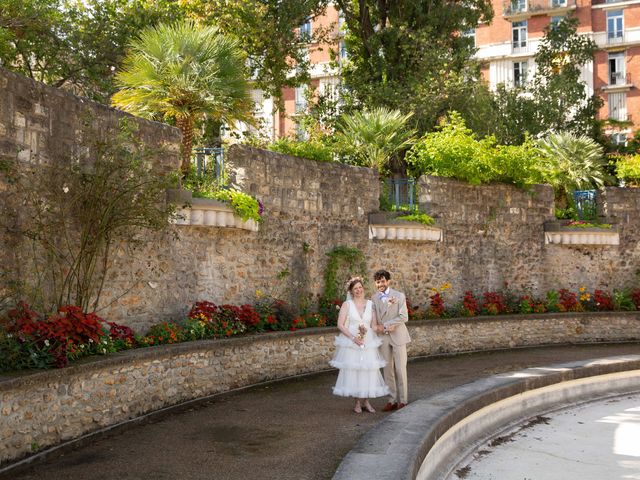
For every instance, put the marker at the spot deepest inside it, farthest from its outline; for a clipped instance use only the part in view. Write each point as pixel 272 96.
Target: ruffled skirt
pixel 359 374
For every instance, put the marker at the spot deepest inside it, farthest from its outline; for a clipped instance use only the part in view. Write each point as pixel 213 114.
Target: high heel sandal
pixel 357 408
pixel 367 406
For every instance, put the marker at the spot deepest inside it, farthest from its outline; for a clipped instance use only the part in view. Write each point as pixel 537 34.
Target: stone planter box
pixel 206 212
pixel 383 226
pixel 555 233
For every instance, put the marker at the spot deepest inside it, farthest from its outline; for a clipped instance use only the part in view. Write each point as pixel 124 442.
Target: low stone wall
pixel 46 408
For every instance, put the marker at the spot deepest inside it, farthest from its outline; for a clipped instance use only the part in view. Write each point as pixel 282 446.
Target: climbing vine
pixel 344 262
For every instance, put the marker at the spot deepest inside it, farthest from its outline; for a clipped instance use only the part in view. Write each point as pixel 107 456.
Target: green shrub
pixel 455 152
pixel 244 205
pixel 312 149
pixel 418 217
pixel 628 169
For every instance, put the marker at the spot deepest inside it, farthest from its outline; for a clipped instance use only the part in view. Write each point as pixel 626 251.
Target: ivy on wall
pixel 344 262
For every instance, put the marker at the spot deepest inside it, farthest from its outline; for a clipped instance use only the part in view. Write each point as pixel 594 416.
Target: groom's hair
pixel 381 274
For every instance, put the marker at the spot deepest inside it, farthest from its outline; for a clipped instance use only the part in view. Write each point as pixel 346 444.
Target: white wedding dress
pixel 359 374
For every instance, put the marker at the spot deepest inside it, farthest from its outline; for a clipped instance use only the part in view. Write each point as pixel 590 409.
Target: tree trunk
pixel 185 124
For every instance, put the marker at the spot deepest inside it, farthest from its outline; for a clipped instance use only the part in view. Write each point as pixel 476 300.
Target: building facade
pixel 508 44
pixel 506 47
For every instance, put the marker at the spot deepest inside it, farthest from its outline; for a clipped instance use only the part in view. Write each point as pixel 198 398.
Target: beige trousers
pixel 395 372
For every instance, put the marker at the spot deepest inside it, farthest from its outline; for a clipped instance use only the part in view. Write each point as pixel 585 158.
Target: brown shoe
pixel 401 405
pixel 390 406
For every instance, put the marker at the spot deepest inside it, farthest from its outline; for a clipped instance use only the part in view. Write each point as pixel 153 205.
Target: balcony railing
pixel 209 162
pixel 402 193
pixel 615 36
pixel 520 47
pixel 511 8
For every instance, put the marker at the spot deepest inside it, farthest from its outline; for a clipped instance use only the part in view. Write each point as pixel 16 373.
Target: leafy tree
pixel 555 100
pixel 410 56
pixel 184 72
pixel 74 44
pixel 375 136
pixel 267 31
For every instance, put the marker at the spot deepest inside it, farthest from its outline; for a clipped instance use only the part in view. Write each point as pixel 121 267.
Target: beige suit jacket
pixel 393 314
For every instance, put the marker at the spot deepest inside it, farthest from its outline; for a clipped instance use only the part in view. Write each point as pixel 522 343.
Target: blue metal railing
pixel 402 193
pixel 209 162
pixel 585 202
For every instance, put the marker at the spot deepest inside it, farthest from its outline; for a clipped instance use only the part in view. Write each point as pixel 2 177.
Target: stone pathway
pixel 293 429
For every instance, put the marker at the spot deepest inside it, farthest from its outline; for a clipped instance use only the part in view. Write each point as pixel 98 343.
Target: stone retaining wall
pixel 46 408
pixel 492 234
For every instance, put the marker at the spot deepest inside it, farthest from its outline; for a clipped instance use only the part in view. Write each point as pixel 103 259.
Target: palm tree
pixel 376 135
pixel 185 72
pixel 572 163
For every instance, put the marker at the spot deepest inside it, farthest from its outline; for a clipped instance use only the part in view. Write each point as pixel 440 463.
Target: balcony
pixel 519 47
pixel 519 9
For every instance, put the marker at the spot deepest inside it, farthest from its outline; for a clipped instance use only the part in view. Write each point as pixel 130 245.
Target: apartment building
pixel 508 44
pixel 507 47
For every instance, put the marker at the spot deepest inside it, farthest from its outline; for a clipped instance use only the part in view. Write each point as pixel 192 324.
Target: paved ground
pixel 287 430
pixel 594 441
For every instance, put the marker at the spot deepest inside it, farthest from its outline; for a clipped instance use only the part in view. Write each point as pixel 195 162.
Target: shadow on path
pixel 290 430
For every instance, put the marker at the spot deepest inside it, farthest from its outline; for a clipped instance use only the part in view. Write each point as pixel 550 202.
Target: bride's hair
pixel 352 283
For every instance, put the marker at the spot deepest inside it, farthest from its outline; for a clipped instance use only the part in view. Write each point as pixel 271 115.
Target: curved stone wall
pixel 46 408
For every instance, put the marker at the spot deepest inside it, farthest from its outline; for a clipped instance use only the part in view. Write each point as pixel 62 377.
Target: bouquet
pixel 362 331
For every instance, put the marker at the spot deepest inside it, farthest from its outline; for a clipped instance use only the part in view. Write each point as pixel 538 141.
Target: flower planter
pixel 382 227
pixel 555 233
pixel 211 213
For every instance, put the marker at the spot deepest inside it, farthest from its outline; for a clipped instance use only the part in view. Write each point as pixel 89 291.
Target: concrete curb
pixel 427 438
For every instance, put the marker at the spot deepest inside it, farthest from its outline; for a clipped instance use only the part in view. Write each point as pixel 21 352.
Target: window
pixel 519 35
pixel 555 20
pixel 518 6
pixel 301 133
pixel 615 26
pixel 616 68
pixel 471 34
pixel 343 50
pixel 619 139
pixel 618 106
pixel 301 99
pixel 558 3
pixel 519 73
pixel 305 30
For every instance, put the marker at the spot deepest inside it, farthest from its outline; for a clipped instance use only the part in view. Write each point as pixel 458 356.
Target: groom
pixel 391 311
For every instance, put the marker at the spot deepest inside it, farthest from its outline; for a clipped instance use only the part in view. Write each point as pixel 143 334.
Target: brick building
pixel 507 46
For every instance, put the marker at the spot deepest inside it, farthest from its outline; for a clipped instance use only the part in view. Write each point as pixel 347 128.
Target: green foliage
pixel 77 210
pixel 628 169
pixel 344 262
pixel 376 136
pixel 185 72
pixel 312 149
pixel 244 205
pixel 418 217
pixel 75 44
pixel 584 224
pixel 555 99
pixel 570 163
pixel 454 151
pixel 408 55
pixel 267 32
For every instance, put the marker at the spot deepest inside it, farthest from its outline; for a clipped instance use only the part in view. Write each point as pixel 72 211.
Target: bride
pixel 357 356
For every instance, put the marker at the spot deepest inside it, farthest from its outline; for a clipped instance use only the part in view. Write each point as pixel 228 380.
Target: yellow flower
pixel 446 286
pixel 582 289
pixel 258 293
